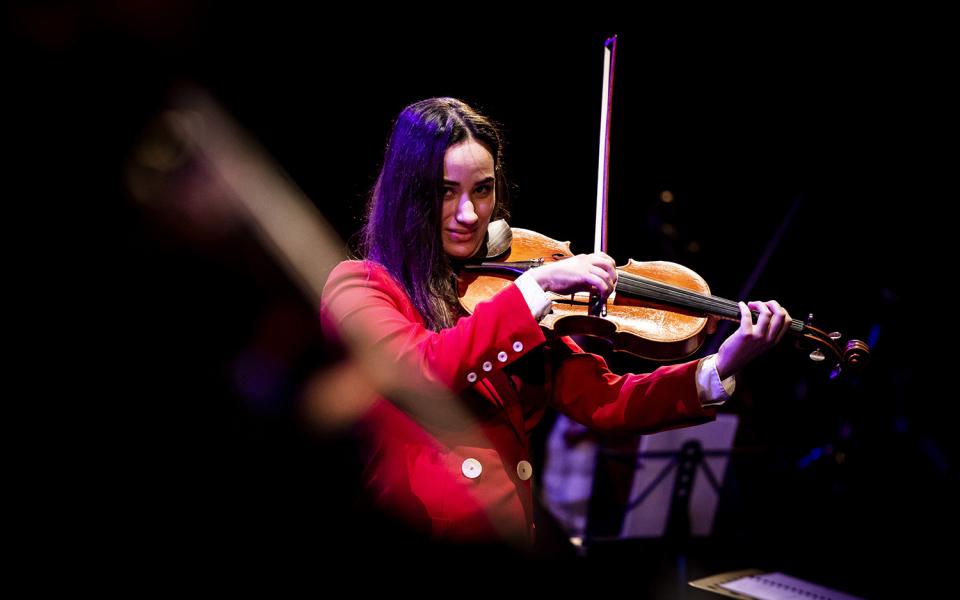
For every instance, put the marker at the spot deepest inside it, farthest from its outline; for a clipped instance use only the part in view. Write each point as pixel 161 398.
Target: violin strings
pixel 656 290
pixel 677 296
pixel 684 298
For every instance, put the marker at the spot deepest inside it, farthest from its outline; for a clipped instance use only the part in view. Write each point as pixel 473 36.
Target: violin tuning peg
pixel 817 355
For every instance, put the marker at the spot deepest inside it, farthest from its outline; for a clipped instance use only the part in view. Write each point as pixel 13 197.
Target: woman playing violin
pixel 470 478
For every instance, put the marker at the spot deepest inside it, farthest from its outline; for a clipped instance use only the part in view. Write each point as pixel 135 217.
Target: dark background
pixel 838 131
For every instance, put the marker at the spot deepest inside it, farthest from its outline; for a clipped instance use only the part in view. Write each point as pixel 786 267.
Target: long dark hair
pixel 402 230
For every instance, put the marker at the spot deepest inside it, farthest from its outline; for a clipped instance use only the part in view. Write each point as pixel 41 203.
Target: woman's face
pixel 468 199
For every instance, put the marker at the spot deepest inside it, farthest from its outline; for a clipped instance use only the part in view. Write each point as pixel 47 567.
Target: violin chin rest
pixel 499 238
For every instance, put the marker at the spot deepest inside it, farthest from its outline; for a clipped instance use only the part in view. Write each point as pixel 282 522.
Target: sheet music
pixel 777 586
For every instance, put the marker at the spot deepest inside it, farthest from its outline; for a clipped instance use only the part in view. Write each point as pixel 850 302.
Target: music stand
pixel 676 485
pixel 659 503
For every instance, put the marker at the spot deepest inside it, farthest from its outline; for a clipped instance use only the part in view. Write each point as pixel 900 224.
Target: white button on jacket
pixel 524 470
pixel 471 468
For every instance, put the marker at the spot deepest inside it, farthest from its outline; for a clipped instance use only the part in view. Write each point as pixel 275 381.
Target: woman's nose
pixel 465 212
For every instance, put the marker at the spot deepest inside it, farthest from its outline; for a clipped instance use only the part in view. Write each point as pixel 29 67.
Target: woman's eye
pixel 484 189
pixel 448 193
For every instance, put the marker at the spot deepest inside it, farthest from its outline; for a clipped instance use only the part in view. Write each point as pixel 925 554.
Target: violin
pixel 658 310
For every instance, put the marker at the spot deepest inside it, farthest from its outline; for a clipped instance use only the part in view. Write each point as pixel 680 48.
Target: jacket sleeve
pixel 585 389
pixel 367 307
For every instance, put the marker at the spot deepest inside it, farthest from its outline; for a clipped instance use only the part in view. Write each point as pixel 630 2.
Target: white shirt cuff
pixel 711 390
pixel 536 298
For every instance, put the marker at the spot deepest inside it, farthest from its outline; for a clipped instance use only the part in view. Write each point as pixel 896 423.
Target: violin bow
pixel 598 308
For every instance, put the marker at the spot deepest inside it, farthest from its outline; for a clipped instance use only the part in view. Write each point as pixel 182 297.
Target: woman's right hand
pixel 580 273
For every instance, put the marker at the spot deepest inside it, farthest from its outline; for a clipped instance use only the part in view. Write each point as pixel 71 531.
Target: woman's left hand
pixel 752 339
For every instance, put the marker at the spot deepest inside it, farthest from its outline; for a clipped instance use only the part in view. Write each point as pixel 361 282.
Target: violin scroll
pixel 853 356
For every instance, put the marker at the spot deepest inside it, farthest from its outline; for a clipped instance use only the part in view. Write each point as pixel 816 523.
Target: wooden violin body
pixel 633 325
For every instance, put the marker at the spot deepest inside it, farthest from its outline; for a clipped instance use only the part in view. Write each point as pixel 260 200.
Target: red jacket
pixel 466 476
